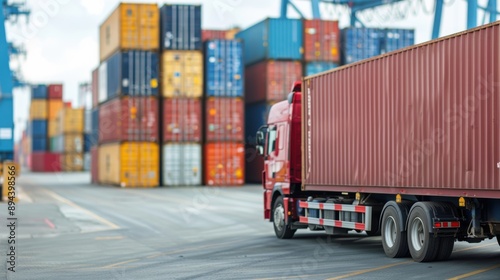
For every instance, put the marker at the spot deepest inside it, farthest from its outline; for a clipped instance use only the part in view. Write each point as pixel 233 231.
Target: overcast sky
pixel 61 36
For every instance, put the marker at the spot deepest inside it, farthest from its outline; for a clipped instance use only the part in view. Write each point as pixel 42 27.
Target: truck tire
pixel 393 235
pixel 423 246
pixel 281 229
pixel 445 248
pixel 498 239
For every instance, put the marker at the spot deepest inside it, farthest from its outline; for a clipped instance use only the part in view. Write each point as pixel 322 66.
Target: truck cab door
pixel 270 157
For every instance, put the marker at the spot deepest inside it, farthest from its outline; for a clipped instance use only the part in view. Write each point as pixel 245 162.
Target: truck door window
pixel 281 133
pixel 272 140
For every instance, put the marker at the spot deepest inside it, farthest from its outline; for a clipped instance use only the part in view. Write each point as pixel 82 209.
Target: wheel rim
pixel 279 217
pixel 390 232
pixel 417 234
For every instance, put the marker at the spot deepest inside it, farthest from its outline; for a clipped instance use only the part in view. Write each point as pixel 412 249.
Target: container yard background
pixel 136 138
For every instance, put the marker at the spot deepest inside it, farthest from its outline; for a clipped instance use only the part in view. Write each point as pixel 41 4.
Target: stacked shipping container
pixel 224 113
pixel 182 91
pixel 69 139
pixel 126 87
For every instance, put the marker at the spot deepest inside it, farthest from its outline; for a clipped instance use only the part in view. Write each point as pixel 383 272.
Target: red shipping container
pixel 55 91
pixel 182 120
pixel 68 104
pixel 224 119
pixel 321 40
pixel 95 88
pixel 129 119
pixel 419 121
pixel 45 162
pixel 271 80
pixel 94 165
pixel 224 164
pixel 209 34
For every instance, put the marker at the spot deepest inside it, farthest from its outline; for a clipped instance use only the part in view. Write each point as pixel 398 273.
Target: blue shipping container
pixel 255 116
pixel 94 135
pixel 273 38
pixel 87 143
pixel 361 43
pixel 180 27
pixel 132 73
pixel 39 92
pixel 39 144
pixel 224 68
pixel 6 125
pixel 313 68
pixel 395 39
pixel 39 128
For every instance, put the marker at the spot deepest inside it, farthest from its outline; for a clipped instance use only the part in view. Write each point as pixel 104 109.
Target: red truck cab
pixel 280 143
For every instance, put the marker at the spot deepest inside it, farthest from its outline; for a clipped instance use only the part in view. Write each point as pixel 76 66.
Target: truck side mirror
pixel 261 140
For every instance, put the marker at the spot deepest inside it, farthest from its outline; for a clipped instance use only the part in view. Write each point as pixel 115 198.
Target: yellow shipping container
pixel 53 128
pixel 73 143
pixel 70 121
pixel 54 107
pixel 130 26
pixel 72 162
pixel 231 33
pixel 38 109
pixel 129 164
pixel 182 74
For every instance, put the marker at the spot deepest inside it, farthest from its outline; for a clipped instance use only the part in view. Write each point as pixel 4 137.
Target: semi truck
pixel 405 145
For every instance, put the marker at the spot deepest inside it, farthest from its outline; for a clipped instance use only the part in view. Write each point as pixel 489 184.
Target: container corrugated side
pixel 94 135
pixel 212 34
pixel 321 40
pixel 94 166
pixel 395 39
pixel 180 27
pixel 129 164
pixel 72 143
pixel 38 109
pixel 418 122
pixel 45 162
pixel 87 161
pixel 224 70
pixel 54 106
pixel 182 120
pixel 71 120
pixel 53 128
pixel 39 92
pixel 39 144
pixel 182 165
pixel 271 81
pixel 55 91
pixel 103 82
pixel 273 38
pixel 132 73
pixel 129 119
pixel 224 119
pixel 95 87
pixel 72 162
pixel 361 43
pixel 38 128
pixel 182 74
pixel 87 127
pixel 224 164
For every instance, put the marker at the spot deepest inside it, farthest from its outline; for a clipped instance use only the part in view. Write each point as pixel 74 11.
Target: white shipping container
pixel 87 159
pixel 103 82
pixel 182 165
pixel 87 129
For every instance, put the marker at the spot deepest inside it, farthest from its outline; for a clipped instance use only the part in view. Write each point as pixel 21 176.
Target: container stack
pixel 45 104
pixel 224 113
pixel 182 91
pixel 273 60
pixel 128 97
pixel 321 46
pixel 94 134
pixel 69 139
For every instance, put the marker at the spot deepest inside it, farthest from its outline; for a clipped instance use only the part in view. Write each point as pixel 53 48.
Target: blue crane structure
pixel 360 5
pixel 8 79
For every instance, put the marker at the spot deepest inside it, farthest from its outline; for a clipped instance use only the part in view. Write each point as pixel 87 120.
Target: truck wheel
pixel 281 229
pixel 445 248
pixel 498 239
pixel 420 242
pixel 393 239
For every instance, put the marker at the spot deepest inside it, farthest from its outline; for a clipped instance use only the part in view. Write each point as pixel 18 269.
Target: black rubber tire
pixel 422 245
pixel 399 248
pixel 498 239
pixel 445 248
pixel 285 232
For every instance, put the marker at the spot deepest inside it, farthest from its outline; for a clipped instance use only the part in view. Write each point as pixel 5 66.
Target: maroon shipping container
pixel 95 88
pixel 321 41
pixel 129 119
pixel 182 120
pixel 271 80
pixel 224 119
pixel 55 91
pixel 94 165
pixel 421 121
pixel 45 162
pixel 207 35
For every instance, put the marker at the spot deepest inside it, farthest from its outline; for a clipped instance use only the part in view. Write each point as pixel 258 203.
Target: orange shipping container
pixel 129 164
pixel 55 106
pixel 130 26
pixel 224 164
pixel 72 162
pixel 53 128
pixel 38 109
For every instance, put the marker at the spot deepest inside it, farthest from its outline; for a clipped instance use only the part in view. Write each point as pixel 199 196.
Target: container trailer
pixel 404 145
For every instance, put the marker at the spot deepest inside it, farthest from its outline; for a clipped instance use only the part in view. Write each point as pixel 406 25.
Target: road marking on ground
pixel 475 272
pixel 369 270
pixel 49 223
pixel 120 237
pixel 23 196
pixel 154 256
pixel 120 263
pixel 473 247
pixel 90 213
